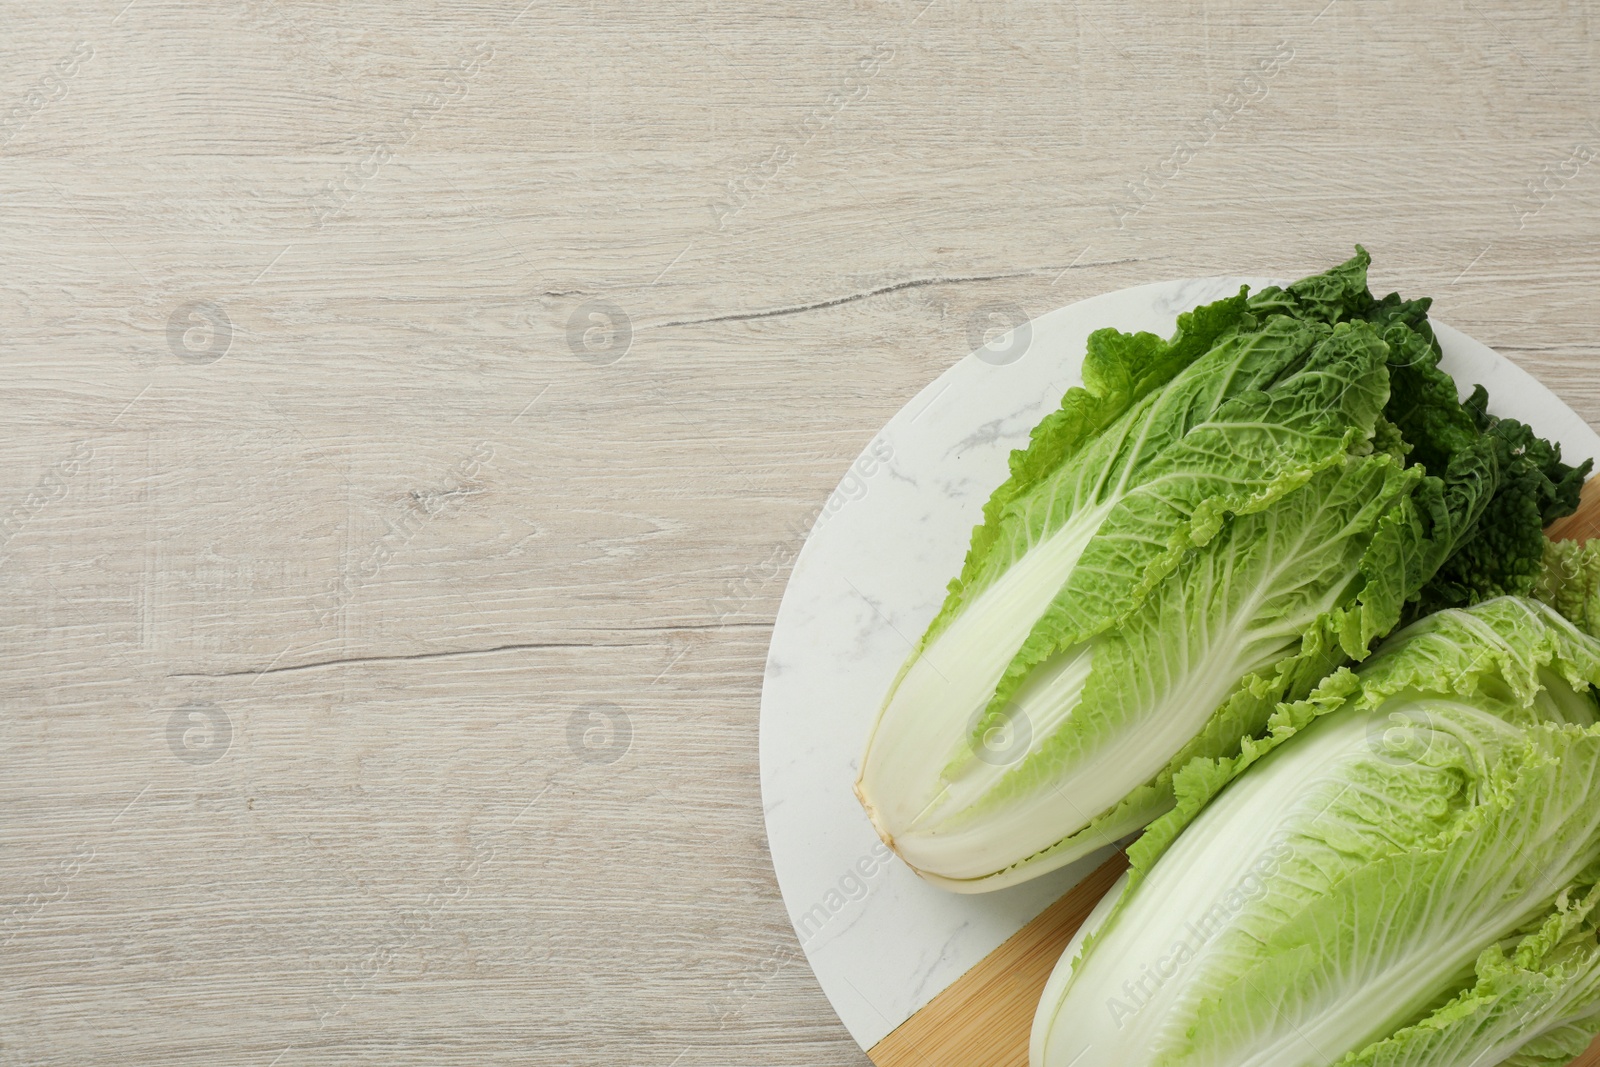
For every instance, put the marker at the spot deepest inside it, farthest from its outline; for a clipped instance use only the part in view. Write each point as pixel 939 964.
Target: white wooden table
pixel 412 411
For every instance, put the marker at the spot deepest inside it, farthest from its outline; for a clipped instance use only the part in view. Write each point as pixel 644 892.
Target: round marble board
pixel 881 941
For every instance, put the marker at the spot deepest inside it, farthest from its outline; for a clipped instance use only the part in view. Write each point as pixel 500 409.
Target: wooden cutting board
pixel 984 1018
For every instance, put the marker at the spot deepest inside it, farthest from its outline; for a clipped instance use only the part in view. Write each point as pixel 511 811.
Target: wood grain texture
pixel 381 678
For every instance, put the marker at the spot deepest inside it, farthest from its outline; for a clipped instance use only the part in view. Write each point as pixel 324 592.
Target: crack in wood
pixel 866 294
pixel 491 650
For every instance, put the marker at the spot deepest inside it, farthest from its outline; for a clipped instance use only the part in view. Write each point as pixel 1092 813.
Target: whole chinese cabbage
pixel 1206 528
pixel 1403 872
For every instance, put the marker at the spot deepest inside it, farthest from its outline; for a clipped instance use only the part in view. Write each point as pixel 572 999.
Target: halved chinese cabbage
pixel 1206 528
pixel 1405 875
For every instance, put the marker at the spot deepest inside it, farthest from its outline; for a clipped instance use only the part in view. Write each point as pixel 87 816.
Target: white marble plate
pixel 870 578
